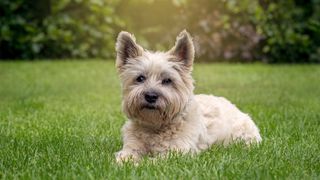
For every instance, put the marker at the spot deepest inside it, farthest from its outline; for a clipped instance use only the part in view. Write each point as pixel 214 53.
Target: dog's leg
pixel 133 146
pixel 130 152
pixel 246 131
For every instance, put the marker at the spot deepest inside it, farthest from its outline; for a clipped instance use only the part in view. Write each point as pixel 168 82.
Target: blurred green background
pixel 272 31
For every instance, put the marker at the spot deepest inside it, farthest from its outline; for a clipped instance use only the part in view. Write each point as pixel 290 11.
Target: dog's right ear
pixel 126 48
pixel 184 50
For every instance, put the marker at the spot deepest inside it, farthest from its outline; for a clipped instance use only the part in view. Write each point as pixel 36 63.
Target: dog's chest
pixel 171 139
pixel 160 142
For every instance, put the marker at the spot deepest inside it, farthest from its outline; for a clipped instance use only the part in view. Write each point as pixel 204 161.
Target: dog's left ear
pixel 126 48
pixel 183 49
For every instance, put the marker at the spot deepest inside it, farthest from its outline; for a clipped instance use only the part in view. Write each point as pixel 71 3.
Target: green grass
pixel 62 120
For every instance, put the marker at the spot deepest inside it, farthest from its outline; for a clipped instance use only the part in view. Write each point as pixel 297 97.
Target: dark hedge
pixel 229 30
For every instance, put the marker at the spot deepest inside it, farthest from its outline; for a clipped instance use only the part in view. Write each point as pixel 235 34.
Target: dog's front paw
pixel 125 156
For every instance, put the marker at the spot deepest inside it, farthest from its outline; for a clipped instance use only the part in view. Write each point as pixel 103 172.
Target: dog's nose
pixel 151 97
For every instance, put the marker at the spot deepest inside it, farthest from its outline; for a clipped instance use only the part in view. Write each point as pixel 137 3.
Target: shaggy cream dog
pixel 163 113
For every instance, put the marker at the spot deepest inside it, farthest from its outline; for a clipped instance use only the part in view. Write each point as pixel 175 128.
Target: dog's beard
pixel 155 115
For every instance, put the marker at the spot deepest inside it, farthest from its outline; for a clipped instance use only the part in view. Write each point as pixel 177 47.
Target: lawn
pixel 62 120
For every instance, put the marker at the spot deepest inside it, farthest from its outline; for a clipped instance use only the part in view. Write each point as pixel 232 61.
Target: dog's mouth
pixel 149 107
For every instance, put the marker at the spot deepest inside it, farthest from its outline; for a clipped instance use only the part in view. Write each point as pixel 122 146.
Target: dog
pixel 163 113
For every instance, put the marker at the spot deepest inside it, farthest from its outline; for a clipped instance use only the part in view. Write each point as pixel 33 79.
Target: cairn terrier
pixel 163 113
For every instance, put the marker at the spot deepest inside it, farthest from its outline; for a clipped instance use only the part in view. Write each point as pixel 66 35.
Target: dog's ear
pixel 126 48
pixel 183 51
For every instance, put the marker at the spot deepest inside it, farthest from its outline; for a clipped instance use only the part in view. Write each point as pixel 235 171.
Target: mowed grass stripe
pixel 62 119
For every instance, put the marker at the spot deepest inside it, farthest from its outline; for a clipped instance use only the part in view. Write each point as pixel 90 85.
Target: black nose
pixel 151 97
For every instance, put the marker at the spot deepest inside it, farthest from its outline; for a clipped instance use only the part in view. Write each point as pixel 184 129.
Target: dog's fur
pixel 178 120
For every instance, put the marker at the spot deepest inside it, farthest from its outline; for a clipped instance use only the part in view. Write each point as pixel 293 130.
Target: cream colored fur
pixel 179 120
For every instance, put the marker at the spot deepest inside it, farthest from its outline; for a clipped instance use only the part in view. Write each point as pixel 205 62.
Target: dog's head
pixel 156 86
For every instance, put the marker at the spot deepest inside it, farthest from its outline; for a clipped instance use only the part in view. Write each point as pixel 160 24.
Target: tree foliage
pixel 291 30
pixel 57 29
pixel 229 30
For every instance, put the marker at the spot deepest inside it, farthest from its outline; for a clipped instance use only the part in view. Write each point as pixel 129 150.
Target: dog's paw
pixel 127 156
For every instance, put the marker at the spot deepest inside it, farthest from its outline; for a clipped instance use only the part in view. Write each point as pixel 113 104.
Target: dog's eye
pixel 166 81
pixel 140 78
